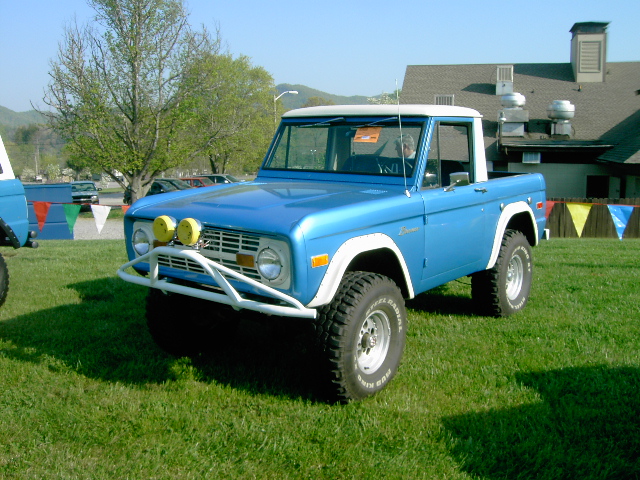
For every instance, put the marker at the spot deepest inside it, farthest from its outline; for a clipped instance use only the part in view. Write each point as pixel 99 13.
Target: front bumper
pixel 290 307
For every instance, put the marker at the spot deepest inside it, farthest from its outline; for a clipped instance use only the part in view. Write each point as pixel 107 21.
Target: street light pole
pixel 275 106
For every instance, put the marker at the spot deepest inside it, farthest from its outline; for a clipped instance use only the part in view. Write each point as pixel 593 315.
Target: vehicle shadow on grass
pixel 587 426
pixel 105 337
pixel 443 300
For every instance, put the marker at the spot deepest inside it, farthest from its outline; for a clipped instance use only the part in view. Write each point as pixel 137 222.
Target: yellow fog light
pixel 164 228
pixel 189 231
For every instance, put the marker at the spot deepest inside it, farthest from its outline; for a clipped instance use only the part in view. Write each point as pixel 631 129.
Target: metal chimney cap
pixel 513 100
pixel 561 110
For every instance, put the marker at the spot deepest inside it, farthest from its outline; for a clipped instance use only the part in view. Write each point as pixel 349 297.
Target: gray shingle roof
pixel 607 112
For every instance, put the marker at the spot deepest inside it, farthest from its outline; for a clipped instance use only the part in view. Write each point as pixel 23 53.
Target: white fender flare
pixel 343 257
pixel 507 213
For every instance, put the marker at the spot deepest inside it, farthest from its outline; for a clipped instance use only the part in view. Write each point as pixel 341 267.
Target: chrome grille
pixel 229 242
pixel 221 247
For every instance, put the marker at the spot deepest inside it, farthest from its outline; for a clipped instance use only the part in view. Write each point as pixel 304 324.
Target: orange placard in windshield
pixel 368 135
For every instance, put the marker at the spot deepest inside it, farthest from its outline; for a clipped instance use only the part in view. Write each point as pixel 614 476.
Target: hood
pixel 270 207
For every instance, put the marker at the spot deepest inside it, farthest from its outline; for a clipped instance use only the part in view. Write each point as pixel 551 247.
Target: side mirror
pixel 460 179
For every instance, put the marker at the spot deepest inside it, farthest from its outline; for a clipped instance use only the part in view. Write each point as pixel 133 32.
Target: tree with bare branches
pixel 125 90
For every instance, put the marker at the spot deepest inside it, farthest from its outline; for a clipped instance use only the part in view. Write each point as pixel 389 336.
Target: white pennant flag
pixel 100 214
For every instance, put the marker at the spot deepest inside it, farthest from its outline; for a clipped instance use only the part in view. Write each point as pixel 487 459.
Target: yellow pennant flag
pixel 579 214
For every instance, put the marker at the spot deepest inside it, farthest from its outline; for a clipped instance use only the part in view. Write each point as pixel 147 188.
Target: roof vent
pixel 560 112
pixel 439 99
pixel 513 100
pixel 513 117
pixel 504 79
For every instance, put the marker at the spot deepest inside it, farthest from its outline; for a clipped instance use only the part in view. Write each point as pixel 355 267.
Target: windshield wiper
pixel 338 119
pixel 378 121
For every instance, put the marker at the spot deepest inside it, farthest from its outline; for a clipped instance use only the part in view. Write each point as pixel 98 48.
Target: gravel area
pixel 86 229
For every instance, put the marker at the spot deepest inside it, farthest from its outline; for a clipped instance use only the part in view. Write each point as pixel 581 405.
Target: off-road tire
pixel 186 326
pixel 4 280
pixel 362 334
pixel 504 289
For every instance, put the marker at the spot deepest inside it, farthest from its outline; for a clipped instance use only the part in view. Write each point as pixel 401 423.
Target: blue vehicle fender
pixel 507 214
pixel 343 257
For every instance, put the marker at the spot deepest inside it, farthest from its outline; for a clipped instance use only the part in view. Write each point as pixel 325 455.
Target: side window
pixel 449 152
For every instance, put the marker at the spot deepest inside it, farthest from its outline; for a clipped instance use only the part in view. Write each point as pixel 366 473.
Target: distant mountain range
pixel 11 119
pixel 304 93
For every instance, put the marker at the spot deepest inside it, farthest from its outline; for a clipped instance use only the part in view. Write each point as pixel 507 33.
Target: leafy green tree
pixel 232 112
pixel 120 93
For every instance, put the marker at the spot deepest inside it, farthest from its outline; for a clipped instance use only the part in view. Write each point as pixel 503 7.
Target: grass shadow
pixel 105 337
pixel 445 300
pixel 587 426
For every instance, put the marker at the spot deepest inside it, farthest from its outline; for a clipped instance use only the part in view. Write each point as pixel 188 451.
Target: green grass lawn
pixel 551 393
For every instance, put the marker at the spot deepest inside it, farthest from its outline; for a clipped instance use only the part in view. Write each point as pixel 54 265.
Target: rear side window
pixel 449 152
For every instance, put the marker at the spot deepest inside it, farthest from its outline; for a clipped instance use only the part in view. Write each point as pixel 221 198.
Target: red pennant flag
pixel 125 208
pixel 549 208
pixel 41 209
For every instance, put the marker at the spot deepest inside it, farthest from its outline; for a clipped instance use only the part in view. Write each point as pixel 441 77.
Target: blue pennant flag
pixel 620 215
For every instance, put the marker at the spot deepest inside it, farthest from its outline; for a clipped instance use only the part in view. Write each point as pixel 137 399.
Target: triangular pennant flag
pixel 579 214
pixel 549 208
pixel 41 209
pixel 620 215
pixel 125 208
pixel 100 214
pixel 71 211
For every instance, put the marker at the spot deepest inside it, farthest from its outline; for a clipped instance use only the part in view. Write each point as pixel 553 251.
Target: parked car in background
pixel 222 178
pixel 85 192
pixel 198 181
pixel 160 185
pixel 164 185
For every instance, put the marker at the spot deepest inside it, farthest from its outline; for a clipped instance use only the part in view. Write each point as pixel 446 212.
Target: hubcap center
pixel 369 341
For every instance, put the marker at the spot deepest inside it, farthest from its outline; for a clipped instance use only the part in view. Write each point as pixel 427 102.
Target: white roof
pixel 390 110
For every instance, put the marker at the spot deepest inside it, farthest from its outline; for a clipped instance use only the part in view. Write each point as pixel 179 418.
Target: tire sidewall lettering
pixel 522 298
pixel 392 304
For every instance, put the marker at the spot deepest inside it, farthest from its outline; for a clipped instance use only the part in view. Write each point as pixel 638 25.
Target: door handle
pixel 480 189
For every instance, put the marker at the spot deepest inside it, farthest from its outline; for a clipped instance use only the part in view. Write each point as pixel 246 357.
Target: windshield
pixel 348 146
pixel 83 187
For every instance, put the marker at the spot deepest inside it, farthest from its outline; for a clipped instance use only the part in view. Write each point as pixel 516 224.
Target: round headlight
pixel 269 264
pixel 189 231
pixel 164 228
pixel 140 241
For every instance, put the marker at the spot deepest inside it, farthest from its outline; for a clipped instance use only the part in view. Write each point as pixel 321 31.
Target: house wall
pixel 633 186
pixel 567 180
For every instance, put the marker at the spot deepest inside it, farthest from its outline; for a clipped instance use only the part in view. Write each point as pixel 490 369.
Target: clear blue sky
pixel 340 47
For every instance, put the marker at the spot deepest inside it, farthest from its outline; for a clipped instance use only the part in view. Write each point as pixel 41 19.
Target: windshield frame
pixel 415 126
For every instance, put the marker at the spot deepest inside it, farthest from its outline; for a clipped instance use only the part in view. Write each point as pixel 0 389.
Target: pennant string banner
pixel 549 208
pixel 41 209
pixel 71 212
pixel 620 215
pixel 579 214
pixel 100 214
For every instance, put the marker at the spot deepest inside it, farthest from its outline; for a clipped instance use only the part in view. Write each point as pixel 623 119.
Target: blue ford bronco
pixel 354 210
pixel 14 220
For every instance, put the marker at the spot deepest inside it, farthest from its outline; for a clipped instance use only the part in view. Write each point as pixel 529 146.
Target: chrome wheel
pixel 373 342
pixel 515 277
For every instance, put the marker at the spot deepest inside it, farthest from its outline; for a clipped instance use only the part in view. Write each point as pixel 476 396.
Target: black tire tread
pixel 485 285
pixel 333 320
pixel 4 280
